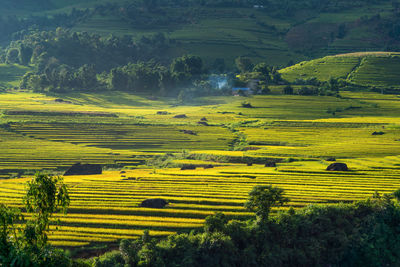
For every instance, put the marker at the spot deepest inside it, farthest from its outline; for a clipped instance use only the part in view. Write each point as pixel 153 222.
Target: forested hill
pixel 274 31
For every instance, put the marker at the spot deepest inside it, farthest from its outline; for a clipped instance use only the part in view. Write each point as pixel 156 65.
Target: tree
pixel 8 232
pixel 288 90
pixel 263 198
pixel 26 245
pixel 86 77
pixel 215 223
pixel 244 64
pixel 45 195
pixel 12 56
pixel 188 65
pixel 396 194
pixel 262 68
pixel 25 55
pixel 218 65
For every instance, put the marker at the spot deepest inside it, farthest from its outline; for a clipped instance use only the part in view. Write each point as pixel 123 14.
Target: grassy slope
pixel 366 68
pixel 231 38
pixel 10 75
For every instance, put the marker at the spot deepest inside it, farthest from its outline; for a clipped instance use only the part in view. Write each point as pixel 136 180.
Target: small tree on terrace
pixel 263 198
pixel 26 245
pixel 45 195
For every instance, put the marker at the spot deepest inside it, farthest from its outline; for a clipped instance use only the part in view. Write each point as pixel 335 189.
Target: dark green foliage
pixel 45 195
pixel 140 77
pixel 365 233
pixel 26 245
pixel 185 67
pixel 264 90
pixel 68 60
pixel 244 64
pixel 396 194
pixel 307 91
pixel 288 90
pixel 25 55
pixel 263 69
pixel 77 49
pixel 12 56
pixel 215 223
pixel 13 27
pixel 263 198
pixel 110 259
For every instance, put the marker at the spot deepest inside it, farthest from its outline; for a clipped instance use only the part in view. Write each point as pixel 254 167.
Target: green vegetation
pixel 27 244
pixel 363 233
pixel 10 75
pixel 279 32
pixel 126 132
pixel 209 144
pixel 378 69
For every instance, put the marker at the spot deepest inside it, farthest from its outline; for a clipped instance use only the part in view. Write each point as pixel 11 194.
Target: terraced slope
pixel 380 69
pixel 105 208
pixel 10 75
pixel 122 131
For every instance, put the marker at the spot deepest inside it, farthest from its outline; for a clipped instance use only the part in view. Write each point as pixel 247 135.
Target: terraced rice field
pixel 372 69
pixel 105 208
pixel 379 69
pixel 129 137
pixel 11 74
pixel 123 132
pixel 322 69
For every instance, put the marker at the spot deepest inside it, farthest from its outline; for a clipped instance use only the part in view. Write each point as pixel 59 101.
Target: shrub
pixel 307 91
pixel 110 259
pixel 288 90
pixel 247 105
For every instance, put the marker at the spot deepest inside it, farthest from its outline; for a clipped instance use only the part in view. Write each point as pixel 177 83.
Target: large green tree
pixel 27 244
pixel 263 198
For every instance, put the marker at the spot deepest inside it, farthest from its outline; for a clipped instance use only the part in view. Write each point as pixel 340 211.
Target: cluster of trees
pixel 256 76
pixel 14 28
pixel 313 86
pixel 388 26
pixel 79 48
pixel 62 78
pixel 259 76
pixel 66 60
pixel 364 233
pixel 69 61
pixel 141 77
pixel 185 78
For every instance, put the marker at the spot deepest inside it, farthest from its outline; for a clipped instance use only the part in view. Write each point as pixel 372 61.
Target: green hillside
pixel 379 69
pixel 10 75
pixel 285 32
